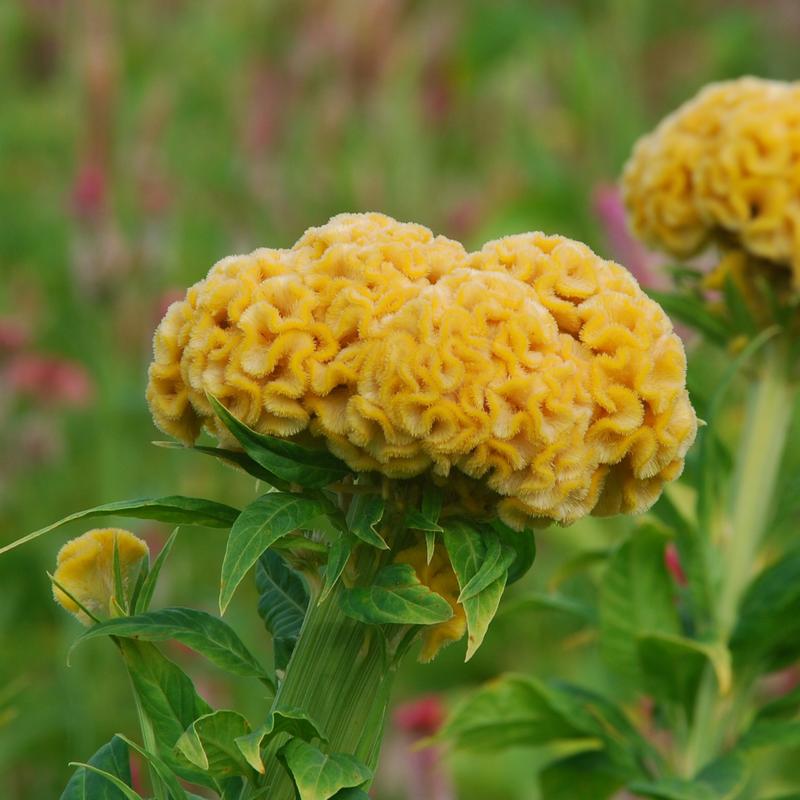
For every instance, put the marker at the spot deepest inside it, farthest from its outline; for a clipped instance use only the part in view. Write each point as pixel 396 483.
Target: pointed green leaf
pixel 234 458
pixel 207 634
pixel 176 509
pixel 210 744
pixel 363 516
pixel 292 721
pixel 288 460
pixel 673 666
pixel 637 597
pixel 512 711
pixel 467 549
pixel 160 768
pixel 551 601
pixel 84 784
pixel 523 543
pixel 337 560
pixel 397 597
pixel 497 560
pixel 167 697
pixel 416 521
pixel 318 775
pixel 282 604
pixel 768 629
pixel 149 585
pixel 721 780
pixel 765 734
pixel 432 501
pixel 259 526
pixel 122 788
pixel 430 545
pixel 583 775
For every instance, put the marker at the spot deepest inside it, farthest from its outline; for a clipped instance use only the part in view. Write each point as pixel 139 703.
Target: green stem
pixel 341 674
pixel 758 460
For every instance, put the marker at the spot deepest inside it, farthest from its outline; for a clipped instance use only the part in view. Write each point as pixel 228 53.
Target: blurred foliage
pixel 140 142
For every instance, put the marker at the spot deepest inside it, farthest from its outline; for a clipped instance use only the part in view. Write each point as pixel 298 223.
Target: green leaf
pixel 707 441
pixel 175 509
pixel 84 784
pixel 496 562
pixel 523 543
pixel 636 598
pixel 292 721
pixel 363 516
pixel 149 585
pixel 288 460
pixel 396 597
pixel 351 794
pixel 513 711
pixel 416 521
pixel 318 775
pixel 210 744
pixel 122 788
pixel 466 547
pixel 695 557
pixel 167 697
pixel 768 628
pixel 673 666
pixel 723 779
pixel 577 564
pixel 260 525
pixel 234 458
pixel 585 776
pixel 282 604
pixel 693 310
pixel 207 634
pixel 337 560
pixel 160 767
pixel 430 545
pixel 551 601
pixel 432 501
pixel 772 733
pixel 119 585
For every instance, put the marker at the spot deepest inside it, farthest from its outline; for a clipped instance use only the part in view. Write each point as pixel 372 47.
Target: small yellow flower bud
pixel 85 568
pixel 439 577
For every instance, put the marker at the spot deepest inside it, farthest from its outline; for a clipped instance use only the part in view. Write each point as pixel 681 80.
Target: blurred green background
pixel 142 141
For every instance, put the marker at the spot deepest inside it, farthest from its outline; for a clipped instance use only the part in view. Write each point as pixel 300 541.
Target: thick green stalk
pixel 758 460
pixel 340 674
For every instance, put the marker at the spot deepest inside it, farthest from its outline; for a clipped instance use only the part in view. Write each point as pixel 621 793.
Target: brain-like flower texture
pixel 85 568
pixel 724 166
pixel 532 369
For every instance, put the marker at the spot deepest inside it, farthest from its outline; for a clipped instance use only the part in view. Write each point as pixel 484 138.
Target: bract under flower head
pixel 532 366
pixel 85 568
pixel 723 165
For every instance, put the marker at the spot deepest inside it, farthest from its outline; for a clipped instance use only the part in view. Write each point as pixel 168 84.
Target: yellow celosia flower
pixel 725 166
pixel 532 366
pixel 440 578
pixel 85 568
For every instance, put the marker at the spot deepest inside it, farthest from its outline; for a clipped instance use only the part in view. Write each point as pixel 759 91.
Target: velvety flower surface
pixel 724 165
pixel 85 568
pixel 532 366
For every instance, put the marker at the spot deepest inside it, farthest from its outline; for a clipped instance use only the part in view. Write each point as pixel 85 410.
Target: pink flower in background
pixel 624 248
pixel 89 190
pixel 672 560
pixel 51 381
pixel 426 778
pixel 421 717
pixel 13 335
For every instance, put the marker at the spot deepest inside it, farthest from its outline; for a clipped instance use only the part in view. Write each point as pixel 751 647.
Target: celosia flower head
pixel 85 568
pixel 532 366
pixel 724 166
